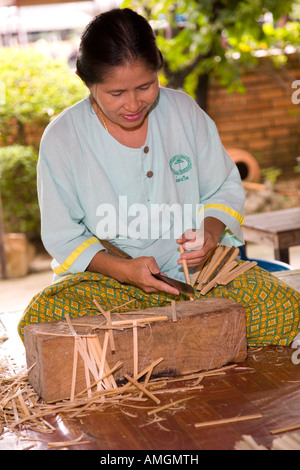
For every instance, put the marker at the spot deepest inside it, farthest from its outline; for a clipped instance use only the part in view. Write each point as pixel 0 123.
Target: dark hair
pixel 113 38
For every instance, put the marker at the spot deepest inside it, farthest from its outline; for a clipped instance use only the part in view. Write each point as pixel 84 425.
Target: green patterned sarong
pixel 272 308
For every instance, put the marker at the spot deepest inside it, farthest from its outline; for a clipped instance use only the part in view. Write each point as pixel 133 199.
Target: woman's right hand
pixel 136 272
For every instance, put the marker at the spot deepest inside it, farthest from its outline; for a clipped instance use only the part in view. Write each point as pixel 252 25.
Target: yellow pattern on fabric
pixel 73 256
pixel 272 308
pixel 224 208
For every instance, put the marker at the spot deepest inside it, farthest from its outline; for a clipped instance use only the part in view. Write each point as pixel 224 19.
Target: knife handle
pixel 114 250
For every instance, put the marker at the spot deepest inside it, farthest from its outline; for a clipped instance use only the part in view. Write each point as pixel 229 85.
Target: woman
pixel 143 167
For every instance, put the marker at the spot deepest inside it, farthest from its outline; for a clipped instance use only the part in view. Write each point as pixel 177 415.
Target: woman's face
pixel 126 94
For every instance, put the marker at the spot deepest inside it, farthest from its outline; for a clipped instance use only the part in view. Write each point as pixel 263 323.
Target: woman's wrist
pixel 109 265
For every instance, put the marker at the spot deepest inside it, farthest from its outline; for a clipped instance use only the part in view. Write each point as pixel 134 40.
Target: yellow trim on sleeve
pixel 226 209
pixel 73 256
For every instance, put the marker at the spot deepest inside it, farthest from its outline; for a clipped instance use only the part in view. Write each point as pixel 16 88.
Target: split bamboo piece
pixel 220 269
pixel 285 429
pixel 174 314
pixel 185 266
pixel 108 322
pixel 228 420
pixel 237 272
pixel 142 389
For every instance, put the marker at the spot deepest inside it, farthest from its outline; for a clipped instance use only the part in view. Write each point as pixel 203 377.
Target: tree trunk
pixel 202 91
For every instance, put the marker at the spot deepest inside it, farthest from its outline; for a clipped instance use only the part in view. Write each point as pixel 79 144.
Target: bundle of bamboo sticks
pixel 220 268
pixel 290 441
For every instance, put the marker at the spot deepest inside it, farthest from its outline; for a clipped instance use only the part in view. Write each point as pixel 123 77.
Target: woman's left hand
pixel 201 242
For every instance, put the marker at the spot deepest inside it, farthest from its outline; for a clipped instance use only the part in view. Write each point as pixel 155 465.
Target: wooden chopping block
pixel 208 333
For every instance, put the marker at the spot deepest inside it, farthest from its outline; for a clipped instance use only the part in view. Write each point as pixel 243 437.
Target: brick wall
pixel 263 121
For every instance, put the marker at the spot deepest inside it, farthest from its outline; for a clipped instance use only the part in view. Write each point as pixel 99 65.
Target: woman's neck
pixel 134 137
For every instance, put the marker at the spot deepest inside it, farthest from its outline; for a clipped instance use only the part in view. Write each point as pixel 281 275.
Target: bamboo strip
pixel 70 325
pixel 88 362
pixel 98 355
pixel 204 271
pixel 169 405
pixel 139 320
pixel 142 388
pixel 23 405
pixel 74 372
pixel 214 282
pixel 220 253
pixel 227 420
pixel 285 429
pixel 110 372
pixel 174 314
pixel 108 323
pixel 197 273
pixel 68 443
pixel 99 306
pixel 230 253
pixel 111 336
pixel 15 409
pixel 121 306
pixel 103 363
pixel 237 272
pixel 214 259
pixel 229 258
pixel 185 266
pixel 87 366
pixel 135 349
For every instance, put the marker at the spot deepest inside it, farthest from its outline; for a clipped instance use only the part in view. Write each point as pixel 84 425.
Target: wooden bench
pixel 292 278
pixel 279 229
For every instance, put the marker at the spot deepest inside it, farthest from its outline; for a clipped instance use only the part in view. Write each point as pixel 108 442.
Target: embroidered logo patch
pixel 180 164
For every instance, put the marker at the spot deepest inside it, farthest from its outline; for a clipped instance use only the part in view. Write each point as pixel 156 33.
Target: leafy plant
pixel 34 88
pixel 219 38
pixel 18 190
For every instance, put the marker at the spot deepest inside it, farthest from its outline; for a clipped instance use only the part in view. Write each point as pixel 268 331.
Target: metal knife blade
pixel 181 286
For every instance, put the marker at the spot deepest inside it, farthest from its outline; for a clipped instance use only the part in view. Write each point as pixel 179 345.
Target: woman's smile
pixel 126 95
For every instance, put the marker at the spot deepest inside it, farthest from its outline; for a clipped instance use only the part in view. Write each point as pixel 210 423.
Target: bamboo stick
pixel 227 420
pixel 237 272
pixel 285 429
pixel 185 266
pixel 214 281
pixel 204 271
pixel 74 372
pixel 108 323
pixel 135 349
pixel 174 314
pixel 169 405
pixel 219 255
pixel 139 320
pixel 143 389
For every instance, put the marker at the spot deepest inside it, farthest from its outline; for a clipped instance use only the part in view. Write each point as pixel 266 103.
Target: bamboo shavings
pixel 30 412
pixel 221 268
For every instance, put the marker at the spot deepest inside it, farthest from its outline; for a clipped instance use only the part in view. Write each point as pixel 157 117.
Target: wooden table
pixel 279 229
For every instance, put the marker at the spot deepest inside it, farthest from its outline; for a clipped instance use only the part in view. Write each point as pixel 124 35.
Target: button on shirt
pixel 91 187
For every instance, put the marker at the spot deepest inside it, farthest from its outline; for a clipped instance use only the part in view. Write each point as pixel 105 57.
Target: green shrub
pixel 19 190
pixel 34 88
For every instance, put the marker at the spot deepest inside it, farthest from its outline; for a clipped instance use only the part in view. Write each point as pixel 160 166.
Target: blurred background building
pixel 48 22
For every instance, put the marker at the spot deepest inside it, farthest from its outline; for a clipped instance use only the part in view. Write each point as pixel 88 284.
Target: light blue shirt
pixel 91 187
